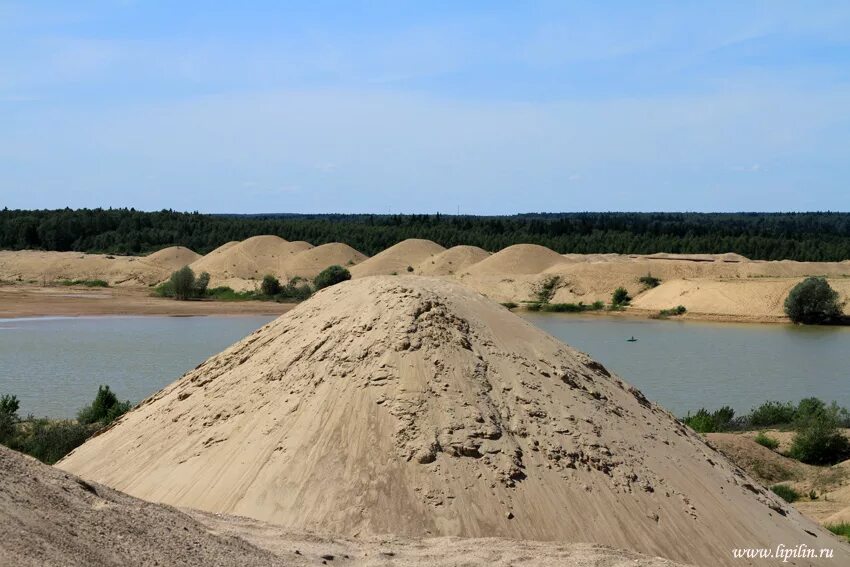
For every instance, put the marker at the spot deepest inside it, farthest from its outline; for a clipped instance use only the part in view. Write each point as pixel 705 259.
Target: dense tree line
pixel 766 236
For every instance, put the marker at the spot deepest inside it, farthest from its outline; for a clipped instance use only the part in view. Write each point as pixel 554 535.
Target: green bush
pixel 704 421
pixel 819 442
pixel 49 440
pixel 410 268
pixel 785 492
pixel 331 275
pixel 545 290
pixel 678 310
pixel 771 414
pixel 765 441
pixel 105 408
pixel 270 286
pixel 86 283
pixel 620 297
pixel 510 305
pixel 812 301
pixel 649 281
pixel 840 529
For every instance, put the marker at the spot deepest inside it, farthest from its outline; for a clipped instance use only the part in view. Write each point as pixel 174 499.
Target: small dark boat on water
pixel 631 340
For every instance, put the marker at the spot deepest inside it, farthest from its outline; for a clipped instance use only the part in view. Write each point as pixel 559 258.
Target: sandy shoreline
pixel 35 301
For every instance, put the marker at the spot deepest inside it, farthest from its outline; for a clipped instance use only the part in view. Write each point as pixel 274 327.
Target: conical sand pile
pixel 397 258
pixel 417 407
pixel 452 261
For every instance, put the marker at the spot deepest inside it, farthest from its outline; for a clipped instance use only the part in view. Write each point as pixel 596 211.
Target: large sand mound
pixel 173 258
pixel 250 259
pixel 452 261
pixel 49 517
pixel 309 263
pixel 518 259
pixel 397 258
pixel 418 407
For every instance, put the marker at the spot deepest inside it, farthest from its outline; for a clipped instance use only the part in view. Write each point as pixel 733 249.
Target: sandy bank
pixel 33 301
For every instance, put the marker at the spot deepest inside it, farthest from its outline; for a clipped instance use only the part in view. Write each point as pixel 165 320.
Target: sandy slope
pixel 48 517
pixel 417 407
pixel 51 518
pixel 452 261
pixel 397 258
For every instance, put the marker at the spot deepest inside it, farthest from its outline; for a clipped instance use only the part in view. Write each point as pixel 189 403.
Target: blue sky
pixel 481 107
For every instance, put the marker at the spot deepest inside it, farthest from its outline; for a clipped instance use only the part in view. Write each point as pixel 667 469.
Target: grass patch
pixel 766 441
pixel 545 290
pixel 86 283
pixel 674 312
pixel 565 307
pixel 840 529
pixel 785 492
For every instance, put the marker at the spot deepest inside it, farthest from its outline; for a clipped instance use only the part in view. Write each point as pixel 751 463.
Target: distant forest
pixel 765 236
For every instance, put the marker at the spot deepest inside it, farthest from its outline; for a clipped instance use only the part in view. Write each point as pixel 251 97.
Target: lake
pixel 55 364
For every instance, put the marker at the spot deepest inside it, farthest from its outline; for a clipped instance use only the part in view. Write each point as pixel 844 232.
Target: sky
pixel 423 107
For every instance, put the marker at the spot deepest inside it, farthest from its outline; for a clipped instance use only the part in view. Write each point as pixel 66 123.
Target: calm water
pixel 54 365
pixel 688 365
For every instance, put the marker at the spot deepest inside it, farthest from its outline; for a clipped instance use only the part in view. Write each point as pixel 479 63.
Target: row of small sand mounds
pixel 51 518
pixel 417 407
pixel 48 267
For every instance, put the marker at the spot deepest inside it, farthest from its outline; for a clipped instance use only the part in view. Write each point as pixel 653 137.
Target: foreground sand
pixel 51 518
pixel 417 407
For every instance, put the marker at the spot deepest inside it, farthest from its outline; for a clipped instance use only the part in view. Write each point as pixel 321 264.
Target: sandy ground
pixel 418 407
pixel 830 486
pixel 51 518
pixel 33 301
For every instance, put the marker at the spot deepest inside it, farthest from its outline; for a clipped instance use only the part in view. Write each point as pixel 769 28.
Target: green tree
pixel 270 285
pixel 9 406
pixel 183 283
pixel 201 284
pixel 812 301
pixel 331 275
pixel 105 408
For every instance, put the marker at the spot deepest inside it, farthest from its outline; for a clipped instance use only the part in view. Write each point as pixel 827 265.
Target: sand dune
pixel 517 260
pixel 250 259
pixel 418 407
pixel 309 263
pixel 451 261
pixel 398 258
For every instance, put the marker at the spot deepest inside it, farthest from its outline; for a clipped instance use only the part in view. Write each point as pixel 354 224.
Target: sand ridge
pixel 418 407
